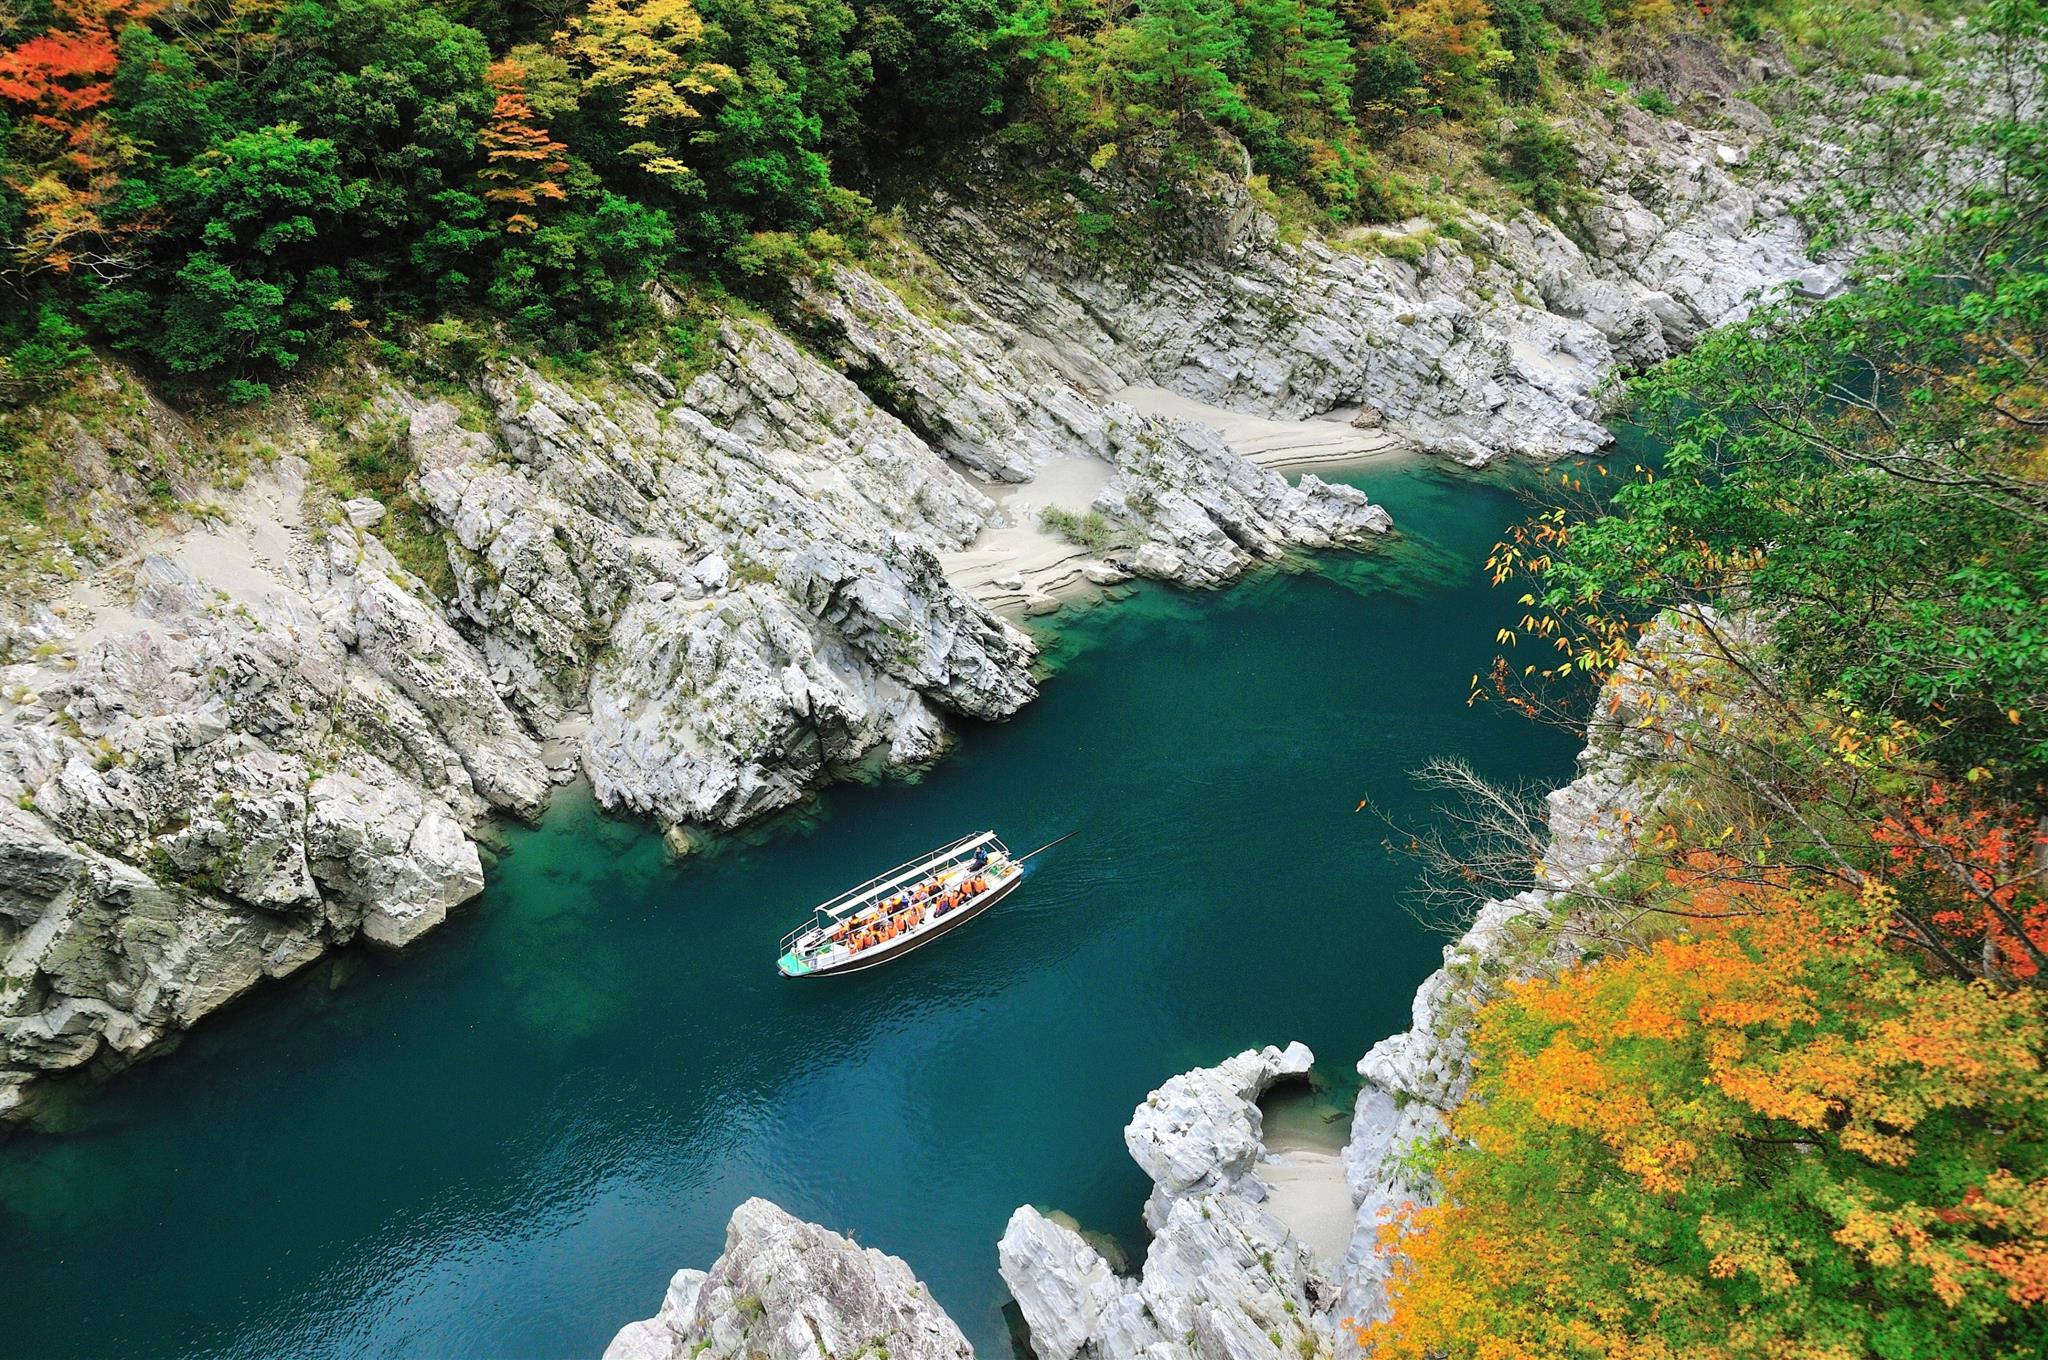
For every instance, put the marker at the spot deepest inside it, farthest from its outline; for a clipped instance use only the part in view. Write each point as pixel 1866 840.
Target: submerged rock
pixel 789 1290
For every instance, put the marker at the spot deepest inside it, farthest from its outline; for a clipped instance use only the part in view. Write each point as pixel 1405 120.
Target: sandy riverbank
pixel 1321 442
pixel 1019 566
pixel 1304 1136
pixel 1016 564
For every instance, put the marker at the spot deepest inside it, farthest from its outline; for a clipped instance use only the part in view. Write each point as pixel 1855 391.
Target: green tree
pixel 1525 32
pixel 761 150
pixel 575 278
pixel 1187 54
pixel 1386 90
pixel 259 219
pixel 1867 473
pixel 941 67
pixel 1298 60
pixel 1539 163
pixel 399 90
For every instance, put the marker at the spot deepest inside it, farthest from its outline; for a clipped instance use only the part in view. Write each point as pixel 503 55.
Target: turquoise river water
pixel 501 1142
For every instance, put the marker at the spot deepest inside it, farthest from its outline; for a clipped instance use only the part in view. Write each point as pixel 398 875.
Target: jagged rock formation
pixel 259 735
pixel 789 1290
pixel 1223 1277
pixel 262 736
pixel 1500 343
pixel 274 745
pixel 739 589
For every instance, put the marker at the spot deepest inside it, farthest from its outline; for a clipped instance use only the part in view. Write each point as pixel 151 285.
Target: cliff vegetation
pixel 1791 1100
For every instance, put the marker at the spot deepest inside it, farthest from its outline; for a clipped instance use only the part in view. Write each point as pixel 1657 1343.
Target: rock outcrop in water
pixel 789 1290
pixel 258 735
pixel 1221 1269
pixel 1223 1279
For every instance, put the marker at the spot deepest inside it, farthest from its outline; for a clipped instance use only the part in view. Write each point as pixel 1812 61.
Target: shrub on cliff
pixel 1803 1110
pixel 225 186
pixel 1769 1133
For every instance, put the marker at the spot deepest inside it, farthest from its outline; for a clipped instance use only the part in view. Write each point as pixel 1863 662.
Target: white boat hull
pixel 888 952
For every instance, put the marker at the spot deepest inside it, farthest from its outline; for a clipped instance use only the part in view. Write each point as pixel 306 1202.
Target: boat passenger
pixel 980 859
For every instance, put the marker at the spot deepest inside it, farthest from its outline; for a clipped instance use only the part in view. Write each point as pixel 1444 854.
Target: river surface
pixel 501 1142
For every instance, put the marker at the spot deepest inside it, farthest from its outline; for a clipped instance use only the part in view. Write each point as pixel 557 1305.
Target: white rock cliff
pixel 789 1290
pixel 256 735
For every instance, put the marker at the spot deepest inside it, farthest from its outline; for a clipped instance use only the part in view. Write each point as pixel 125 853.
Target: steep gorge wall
pixel 257 734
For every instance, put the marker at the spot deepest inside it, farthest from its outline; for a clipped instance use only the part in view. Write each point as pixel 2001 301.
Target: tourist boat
pixel 896 912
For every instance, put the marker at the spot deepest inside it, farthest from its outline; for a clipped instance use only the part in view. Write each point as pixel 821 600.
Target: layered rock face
pixel 788 1290
pixel 1222 1278
pixel 269 743
pixel 1500 339
pixel 257 735
pixel 737 587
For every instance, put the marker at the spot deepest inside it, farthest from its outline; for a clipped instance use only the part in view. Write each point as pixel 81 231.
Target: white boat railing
pixel 910 871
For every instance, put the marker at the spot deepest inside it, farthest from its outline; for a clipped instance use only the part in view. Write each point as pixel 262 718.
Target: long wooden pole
pixel 1051 843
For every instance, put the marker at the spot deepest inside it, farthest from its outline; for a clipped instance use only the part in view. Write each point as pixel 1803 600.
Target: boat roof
pixel 910 871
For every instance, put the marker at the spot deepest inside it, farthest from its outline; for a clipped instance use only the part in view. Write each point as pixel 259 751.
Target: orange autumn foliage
pixel 523 164
pixel 62 79
pixel 1976 862
pixel 66 73
pixel 1774 1134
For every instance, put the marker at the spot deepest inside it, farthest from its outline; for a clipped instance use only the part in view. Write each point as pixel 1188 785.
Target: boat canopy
pixel 910 871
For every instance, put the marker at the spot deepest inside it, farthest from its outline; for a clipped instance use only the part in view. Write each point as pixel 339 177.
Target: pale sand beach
pixel 1012 563
pixel 1324 440
pixel 1020 566
pixel 1304 1168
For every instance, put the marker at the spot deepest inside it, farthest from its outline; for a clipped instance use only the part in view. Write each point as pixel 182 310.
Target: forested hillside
pixel 1792 1101
pixel 1785 1100
pixel 222 189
